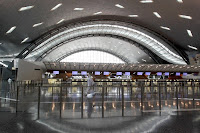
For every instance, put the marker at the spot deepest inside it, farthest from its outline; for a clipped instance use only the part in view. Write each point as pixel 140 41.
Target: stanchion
pixel 122 101
pixel 24 89
pixel 159 90
pixel 102 106
pixel 60 102
pixel 38 102
pixel 17 99
pixel 193 86
pixel 81 102
pixel 176 97
pixel 142 95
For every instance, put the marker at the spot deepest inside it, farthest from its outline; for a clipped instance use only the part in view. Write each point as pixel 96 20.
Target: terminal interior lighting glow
pixel 56 72
pixel 83 72
pixel 74 72
pixel 106 73
pixel 119 73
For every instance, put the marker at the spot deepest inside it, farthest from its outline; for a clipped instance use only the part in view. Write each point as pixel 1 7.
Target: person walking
pixel 90 95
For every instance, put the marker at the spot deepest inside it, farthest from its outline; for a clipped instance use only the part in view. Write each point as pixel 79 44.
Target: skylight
pixel 57 6
pixel 192 47
pixel 38 24
pixel 185 16
pixel 11 30
pixel 180 1
pixel 189 33
pixel 25 8
pixel 25 40
pixel 118 5
pixel 97 13
pixel 60 21
pixel 146 1
pixel 157 14
pixel 78 9
pixel 132 16
pixel 163 27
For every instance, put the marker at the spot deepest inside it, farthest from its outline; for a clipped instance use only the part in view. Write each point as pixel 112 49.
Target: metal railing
pixel 125 98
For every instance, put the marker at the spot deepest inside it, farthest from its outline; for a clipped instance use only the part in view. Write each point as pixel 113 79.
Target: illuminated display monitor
pixel 127 73
pixel 97 73
pixel 106 73
pixel 56 72
pixel 178 74
pixel 74 72
pixel 148 73
pixel 119 73
pixel 166 73
pixel 184 74
pixel 139 73
pixel 83 72
pixel 159 73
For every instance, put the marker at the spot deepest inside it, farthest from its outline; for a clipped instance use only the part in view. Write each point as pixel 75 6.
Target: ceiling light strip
pixel 60 21
pixel 180 1
pixel 132 16
pixel 146 1
pixel 57 6
pixel 97 13
pixel 157 14
pixel 11 30
pixel 25 8
pixel 26 39
pixel 78 9
pixel 165 28
pixel 38 24
pixel 185 16
pixel 192 47
pixel 118 5
pixel 190 33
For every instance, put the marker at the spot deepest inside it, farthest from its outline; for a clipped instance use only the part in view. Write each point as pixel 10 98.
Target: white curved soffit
pixel 143 37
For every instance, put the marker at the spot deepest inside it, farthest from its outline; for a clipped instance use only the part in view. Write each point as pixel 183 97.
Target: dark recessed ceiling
pixel 41 13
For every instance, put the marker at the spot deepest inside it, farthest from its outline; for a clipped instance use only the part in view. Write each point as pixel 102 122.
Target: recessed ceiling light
pixel 180 1
pixel 25 40
pixel 55 7
pixel 163 27
pixel 78 9
pixel 189 33
pixel 11 30
pixel 118 5
pixel 60 21
pixel 192 47
pixel 185 16
pixel 144 60
pixel 146 1
pixel 97 13
pixel 138 52
pixel 157 14
pixel 38 24
pixel 132 16
pixel 25 8
pixel 0 43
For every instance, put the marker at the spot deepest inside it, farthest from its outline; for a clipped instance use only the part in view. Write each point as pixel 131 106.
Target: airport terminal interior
pixel 99 66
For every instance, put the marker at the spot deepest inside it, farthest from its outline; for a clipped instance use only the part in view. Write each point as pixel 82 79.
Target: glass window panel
pixel 92 57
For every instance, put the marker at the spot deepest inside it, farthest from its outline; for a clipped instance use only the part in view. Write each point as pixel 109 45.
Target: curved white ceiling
pixel 132 32
pixel 122 49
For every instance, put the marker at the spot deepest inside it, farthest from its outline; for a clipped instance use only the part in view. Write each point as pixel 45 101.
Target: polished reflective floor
pixel 172 122
pixel 125 110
